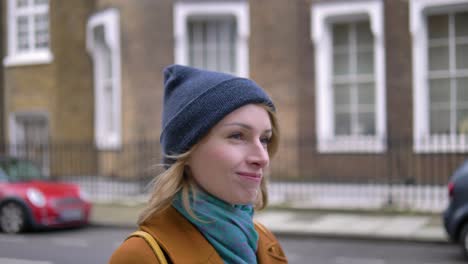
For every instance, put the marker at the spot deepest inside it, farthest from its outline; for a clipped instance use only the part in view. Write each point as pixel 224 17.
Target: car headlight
pixel 36 197
pixel 84 195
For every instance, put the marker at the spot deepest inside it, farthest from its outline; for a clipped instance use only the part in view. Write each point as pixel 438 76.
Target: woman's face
pixel 230 161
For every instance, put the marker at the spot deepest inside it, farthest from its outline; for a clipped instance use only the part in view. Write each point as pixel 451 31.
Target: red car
pixel 29 200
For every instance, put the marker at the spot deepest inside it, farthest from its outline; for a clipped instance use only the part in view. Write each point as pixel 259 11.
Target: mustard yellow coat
pixel 184 244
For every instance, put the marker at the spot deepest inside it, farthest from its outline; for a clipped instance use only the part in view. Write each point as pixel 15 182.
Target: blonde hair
pixel 167 184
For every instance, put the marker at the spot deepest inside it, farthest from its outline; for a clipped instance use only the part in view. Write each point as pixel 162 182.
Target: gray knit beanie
pixel 195 100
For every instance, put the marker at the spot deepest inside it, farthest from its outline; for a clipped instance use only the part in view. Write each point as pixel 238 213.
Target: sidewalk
pixel 350 224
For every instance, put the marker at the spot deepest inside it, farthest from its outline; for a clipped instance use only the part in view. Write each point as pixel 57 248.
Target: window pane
pixel 342 124
pixel 462 91
pixel 438 58
pixel 41 2
pixel 104 62
pixel 107 60
pixel 440 121
pixel 98 32
pixel 462 121
pixel 439 90
pixel 108 105
pixel 41 31
pixel 196 41
pixel 340 34
pixel 364 34
pixel 365 62
pixel 366 94
pixel 341 94
pixel 227 51
pixel 366 124
pixel 462 55
pixel 21 3
pixel 438 26
pixel 212 43
pixel 461 24
pixel 22 31
pixel 341 63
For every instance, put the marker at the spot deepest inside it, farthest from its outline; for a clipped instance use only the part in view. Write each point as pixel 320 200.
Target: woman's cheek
pixel 225 152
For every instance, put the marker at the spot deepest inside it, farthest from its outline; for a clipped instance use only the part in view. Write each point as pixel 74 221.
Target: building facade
pixel 367 90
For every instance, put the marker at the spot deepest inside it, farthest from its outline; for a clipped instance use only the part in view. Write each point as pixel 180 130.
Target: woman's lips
pixel 251 176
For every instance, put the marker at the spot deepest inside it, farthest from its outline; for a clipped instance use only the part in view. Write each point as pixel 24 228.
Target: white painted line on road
pixel 69 242
pixel 22 261
pixel 348 260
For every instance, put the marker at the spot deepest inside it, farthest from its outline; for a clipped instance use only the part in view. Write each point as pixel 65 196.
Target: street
pixel 351 251
pixel 71 246
pixel 95 245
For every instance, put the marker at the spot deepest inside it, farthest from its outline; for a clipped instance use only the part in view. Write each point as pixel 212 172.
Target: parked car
pixel 28 200
pixel 456 215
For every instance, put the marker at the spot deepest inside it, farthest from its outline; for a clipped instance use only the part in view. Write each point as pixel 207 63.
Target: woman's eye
pixel 265 140
pixel 236 136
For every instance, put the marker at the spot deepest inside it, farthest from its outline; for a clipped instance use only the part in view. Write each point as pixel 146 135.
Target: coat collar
pixel 182 241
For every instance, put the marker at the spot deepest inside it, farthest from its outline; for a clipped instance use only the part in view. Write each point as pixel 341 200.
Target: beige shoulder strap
pixel 152 243
pixel 261 227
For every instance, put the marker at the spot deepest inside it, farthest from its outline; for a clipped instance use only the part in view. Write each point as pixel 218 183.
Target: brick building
pixel 365 89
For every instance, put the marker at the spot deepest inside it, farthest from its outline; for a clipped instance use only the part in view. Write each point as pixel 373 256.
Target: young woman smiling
pixel 218 135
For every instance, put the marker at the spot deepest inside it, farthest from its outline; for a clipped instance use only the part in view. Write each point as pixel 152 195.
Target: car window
pixel 21 170
pixel 461 171
pixel 3 176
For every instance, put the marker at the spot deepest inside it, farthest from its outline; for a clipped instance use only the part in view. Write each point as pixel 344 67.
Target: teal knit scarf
pixel 228 228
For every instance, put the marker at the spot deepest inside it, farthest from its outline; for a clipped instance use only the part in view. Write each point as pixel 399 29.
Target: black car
pixel 456 215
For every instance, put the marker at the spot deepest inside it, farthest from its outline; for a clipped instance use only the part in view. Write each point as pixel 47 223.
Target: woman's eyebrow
pixel 245 126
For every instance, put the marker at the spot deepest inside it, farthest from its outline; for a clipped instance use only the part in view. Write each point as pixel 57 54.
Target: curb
pixel 382 238
pixel 305 234
pixel 124 215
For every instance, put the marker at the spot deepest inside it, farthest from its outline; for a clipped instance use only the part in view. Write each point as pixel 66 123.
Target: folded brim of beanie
pixel 195 120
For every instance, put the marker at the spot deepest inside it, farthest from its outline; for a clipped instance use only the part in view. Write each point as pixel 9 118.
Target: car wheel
pixel 12 218
pixel 464 240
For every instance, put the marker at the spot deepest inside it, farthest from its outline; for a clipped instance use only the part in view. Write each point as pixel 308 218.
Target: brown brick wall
pixel 2 52
pixel 74 92
pixel 281 56
pixel 398 70
pixel 274 57
pixel 146 48
pixel 306 92
pixel 62 89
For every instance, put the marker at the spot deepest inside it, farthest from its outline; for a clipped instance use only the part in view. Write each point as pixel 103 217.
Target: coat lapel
pixel 269 249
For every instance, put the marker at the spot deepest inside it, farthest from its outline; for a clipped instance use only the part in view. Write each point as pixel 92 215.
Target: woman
pixel 218 134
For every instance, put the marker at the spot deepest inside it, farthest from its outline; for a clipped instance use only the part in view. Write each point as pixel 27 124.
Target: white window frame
pixel 423 142
pixel 33 55
pixel 240 10
pixel 323 15
pixel 107 140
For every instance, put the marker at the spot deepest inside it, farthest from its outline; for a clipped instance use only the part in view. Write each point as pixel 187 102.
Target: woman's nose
pixel 259 155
